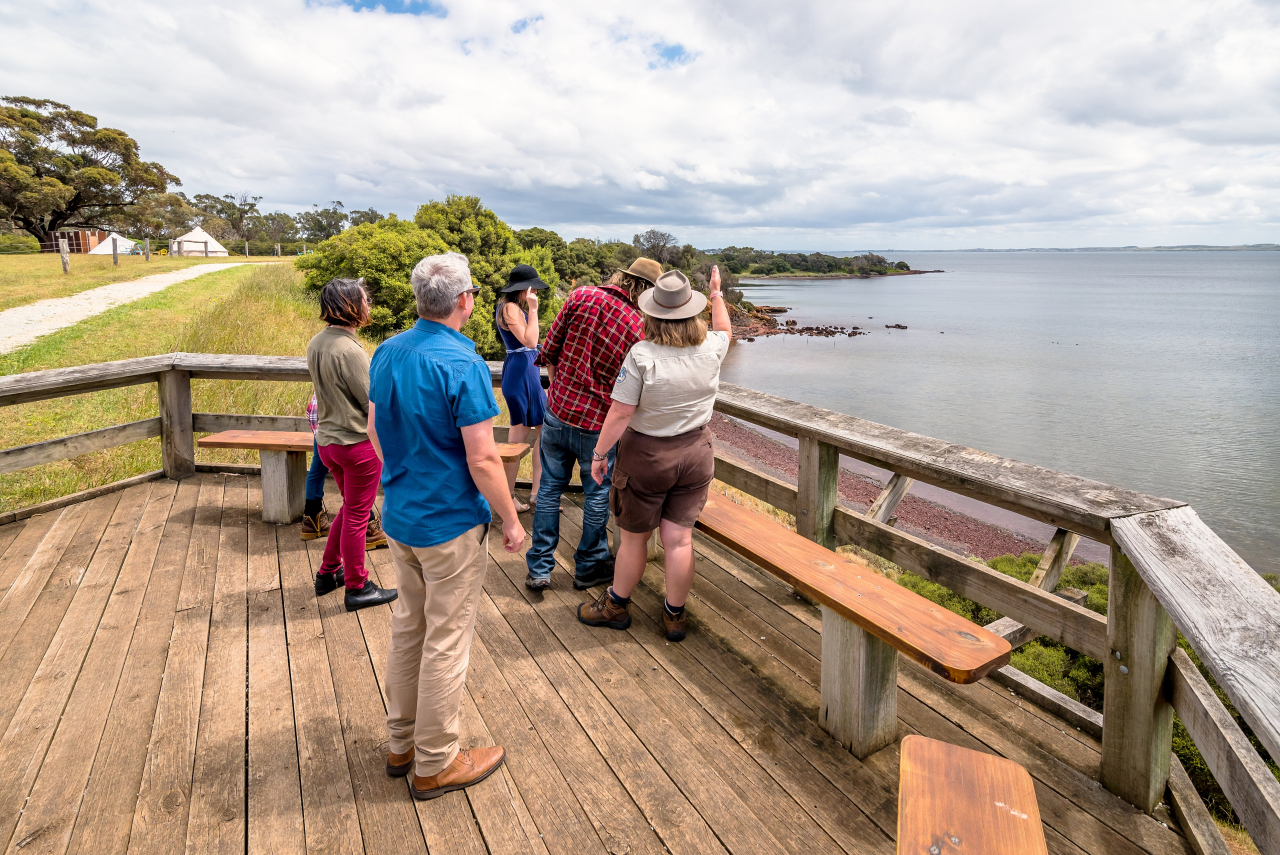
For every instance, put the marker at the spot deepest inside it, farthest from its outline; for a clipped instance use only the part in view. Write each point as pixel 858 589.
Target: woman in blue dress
pixel 517 321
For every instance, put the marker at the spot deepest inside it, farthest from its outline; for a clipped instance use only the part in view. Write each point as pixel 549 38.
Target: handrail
pixel 1168 567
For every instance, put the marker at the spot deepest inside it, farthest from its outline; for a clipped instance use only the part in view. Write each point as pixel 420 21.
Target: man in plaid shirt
pixel 583 352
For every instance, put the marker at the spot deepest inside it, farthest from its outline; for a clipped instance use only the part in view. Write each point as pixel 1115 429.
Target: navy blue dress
pixel 521 381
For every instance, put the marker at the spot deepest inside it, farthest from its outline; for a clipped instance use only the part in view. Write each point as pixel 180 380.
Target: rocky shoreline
pixel 925 519
pixel 818 277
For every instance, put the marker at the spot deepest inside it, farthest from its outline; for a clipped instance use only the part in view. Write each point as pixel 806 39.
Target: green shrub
pixel 18 243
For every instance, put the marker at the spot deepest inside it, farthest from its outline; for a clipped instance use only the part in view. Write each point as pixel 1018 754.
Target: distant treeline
pixel 749 261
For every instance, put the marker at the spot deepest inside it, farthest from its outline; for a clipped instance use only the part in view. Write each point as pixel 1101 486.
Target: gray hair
pixel 437 281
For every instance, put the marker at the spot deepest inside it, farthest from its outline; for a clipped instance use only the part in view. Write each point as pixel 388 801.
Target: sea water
pixel 1156 371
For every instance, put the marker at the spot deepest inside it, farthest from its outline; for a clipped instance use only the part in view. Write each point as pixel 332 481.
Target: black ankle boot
pixel 369 595
pixel 326 582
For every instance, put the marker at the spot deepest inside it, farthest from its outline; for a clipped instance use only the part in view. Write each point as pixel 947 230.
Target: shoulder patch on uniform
pixel 622 374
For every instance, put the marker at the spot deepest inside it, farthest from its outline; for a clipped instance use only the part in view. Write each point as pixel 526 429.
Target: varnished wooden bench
pixel 284 466
pixel 866 620
pixel 952 800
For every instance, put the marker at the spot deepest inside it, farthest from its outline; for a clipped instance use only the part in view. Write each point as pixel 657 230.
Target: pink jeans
pixel 357 469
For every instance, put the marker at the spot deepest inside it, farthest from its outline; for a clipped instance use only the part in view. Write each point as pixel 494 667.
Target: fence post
pixel 181 253
pixel 246 249
pixel 177 440
pixel 816 501
pixel 65 252
pixel 277 250
pixel 115 252
pixel 206 248
pixel 1137 718
pixel 146 248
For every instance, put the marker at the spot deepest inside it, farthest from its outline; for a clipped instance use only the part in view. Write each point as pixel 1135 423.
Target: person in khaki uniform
pixel 431 410
pixel 659 417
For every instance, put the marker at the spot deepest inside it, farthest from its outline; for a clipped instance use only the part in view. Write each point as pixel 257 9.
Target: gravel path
pixel 25 324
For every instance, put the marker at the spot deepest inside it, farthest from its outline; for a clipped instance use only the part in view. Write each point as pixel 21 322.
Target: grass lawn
pixel 27 278
pixel 252 309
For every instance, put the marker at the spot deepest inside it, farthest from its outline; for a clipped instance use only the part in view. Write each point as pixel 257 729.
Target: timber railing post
pixel 817 481
pixel 1137 718
pixel 859 671
pixel 177 440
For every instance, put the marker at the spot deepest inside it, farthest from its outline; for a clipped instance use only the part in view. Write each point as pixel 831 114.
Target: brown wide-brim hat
pixel 672 298
pixel 646 269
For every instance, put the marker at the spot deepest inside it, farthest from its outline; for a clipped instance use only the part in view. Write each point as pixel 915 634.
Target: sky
pixel 798 125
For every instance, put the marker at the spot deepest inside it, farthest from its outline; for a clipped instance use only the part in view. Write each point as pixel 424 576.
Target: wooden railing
pixel 1169 571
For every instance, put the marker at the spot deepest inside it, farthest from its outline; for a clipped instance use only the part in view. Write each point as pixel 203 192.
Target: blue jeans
pixel 561 446
pixel 316 475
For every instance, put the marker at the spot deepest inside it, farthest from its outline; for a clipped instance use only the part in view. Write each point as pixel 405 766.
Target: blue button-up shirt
pixel 426 384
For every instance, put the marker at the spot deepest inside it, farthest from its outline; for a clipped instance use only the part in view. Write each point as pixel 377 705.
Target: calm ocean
pixel 1158 371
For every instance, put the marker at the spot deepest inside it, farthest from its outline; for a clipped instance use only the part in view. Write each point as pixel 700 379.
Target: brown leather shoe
pixel 398 765
pixel 605 612
pixel 471 766
pixel 374 537
pixel 317 526
pixel 673 625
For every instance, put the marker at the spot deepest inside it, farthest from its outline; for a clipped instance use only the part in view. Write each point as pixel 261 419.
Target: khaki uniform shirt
pixel 340 374
pixel 672 388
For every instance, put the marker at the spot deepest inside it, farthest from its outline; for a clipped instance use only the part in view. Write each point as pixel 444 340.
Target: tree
pixel 274 227
pixel 322 223
pixel 359 218
pixel 530 238
pixel 163 216
pixel 656 245
pixel 384 253
pixel 236 209
pixel 58 168
pixel 472 229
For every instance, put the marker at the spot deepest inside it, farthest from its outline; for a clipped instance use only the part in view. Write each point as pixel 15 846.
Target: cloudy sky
pixel 797 125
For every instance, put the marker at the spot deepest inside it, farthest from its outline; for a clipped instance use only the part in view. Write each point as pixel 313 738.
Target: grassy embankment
pixel 27 278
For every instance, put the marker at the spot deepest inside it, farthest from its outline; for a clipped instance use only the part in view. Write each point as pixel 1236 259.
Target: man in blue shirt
pixel 431 410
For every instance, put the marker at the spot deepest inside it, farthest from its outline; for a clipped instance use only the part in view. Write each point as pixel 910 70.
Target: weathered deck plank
pixel 175 686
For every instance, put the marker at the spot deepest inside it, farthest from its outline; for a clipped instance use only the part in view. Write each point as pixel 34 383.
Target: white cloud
pixel 800 125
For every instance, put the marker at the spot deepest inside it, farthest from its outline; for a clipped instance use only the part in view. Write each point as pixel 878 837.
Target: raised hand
pixel 715 279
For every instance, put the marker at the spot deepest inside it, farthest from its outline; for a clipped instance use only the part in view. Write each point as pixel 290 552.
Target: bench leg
pixel 859 687
pixel 284 485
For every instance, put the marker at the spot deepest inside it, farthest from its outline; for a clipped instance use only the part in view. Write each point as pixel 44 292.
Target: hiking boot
pixel 369 595
pixel 537 583
pixel 326 582
pixel 673 625
pixel 374 537
pixel 605 612
pixel 471 766
pixel 398 765
pixel 603 575
pixel 316 526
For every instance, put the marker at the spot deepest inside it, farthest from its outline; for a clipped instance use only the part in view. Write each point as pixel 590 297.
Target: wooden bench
pixel 952 800
pixel 284 466
pixel 866 620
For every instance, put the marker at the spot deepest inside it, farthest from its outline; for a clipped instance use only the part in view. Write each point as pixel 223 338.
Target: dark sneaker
pixel 374 538
pixel 605 612
pixel 603 575
pixel 537 583
pixel 673 625
pixel 326 582
pixel 398 765
pixel 369 595
pixel 317 526
pixel 471 766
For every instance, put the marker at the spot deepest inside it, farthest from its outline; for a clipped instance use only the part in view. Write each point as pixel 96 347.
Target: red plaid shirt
pixel 586 343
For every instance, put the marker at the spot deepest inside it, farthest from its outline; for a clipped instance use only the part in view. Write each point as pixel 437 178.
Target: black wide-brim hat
pixel 523 277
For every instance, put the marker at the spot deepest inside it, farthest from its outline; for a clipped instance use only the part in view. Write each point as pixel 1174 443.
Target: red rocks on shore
pixel 926 519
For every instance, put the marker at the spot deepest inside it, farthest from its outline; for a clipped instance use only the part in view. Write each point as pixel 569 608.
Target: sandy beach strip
pixel 23 325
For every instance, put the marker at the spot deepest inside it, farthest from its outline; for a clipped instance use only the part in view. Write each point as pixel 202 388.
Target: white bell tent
pixel 193 243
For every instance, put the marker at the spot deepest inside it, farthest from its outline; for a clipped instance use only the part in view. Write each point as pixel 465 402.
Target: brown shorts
pixel 661 478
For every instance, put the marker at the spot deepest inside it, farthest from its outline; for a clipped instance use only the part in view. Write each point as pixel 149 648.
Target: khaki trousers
pixel 432 624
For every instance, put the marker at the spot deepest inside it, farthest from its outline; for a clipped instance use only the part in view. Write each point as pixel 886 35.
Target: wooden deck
pixel 169 683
